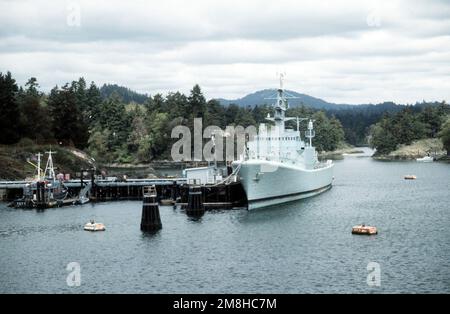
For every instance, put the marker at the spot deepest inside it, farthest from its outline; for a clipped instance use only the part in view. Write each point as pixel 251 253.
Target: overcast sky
pixel 341 51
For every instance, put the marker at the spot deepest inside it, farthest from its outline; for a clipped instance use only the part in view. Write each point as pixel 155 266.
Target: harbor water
pixel 300 247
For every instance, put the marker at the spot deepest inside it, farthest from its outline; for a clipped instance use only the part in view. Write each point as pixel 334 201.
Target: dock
pixel 101 189
pixel 173 191
pixel 50 204
pixel 212 188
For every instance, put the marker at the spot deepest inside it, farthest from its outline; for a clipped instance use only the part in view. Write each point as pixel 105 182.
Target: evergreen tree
pixel 126 95
pixel 9 110
pixel 231 113
pixel 215 114
pixel 139 131
pixel 260 113
pixel 79 88
pixel 197 103
pixel 444 134
pixel 93 103
pixel 68 125
pixel 432 118
pixel 382 136
pixel 156 103
pixel 406 126
pixel 159 135
pixel 177 105
pixel 244 117
pixel 329 131
pixel 114 117
pixel 321 126
pixel 336 133
pixel 35 118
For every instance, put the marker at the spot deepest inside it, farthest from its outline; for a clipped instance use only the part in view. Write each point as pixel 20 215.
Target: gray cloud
pixel 174 20
pixel 351 51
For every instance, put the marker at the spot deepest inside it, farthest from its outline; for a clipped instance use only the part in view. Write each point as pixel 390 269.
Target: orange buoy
pixel 363 229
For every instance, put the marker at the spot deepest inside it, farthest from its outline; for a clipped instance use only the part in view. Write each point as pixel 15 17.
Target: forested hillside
pixel 114 124
pixel 265 97
pixel 412 123
pixel 355 119
pixel 126 94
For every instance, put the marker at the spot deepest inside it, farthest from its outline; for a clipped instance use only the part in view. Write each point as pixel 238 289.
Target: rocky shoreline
pixel 443 158
pixel 417 149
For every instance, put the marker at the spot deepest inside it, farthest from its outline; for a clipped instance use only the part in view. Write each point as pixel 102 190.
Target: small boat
pixel 363 229
pixel 94 226
pixel 425 159
pixel 45 190
pixel 410 177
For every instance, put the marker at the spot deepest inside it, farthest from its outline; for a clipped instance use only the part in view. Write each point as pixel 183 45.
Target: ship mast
pixel 281 80
pixel 280 106
pixel 49 167
pixel 39 166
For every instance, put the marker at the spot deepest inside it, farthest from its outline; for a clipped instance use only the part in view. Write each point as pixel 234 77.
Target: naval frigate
pixel 277 165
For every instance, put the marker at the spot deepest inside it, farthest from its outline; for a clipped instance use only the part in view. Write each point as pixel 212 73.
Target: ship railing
pixel 285 158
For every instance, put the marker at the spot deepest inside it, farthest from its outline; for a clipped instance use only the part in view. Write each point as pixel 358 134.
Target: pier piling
pixel 195 205
pixel 150 220
pixel 41 195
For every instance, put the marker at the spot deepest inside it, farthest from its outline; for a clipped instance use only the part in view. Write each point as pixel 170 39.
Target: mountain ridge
pixel 259 98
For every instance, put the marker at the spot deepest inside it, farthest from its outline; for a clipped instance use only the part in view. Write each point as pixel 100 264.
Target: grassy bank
pixel 13 159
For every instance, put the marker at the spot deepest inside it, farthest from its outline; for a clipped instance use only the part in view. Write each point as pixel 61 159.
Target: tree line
pixel 112 129
pixel 410 124
pixel 127 95
pixel 358 120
